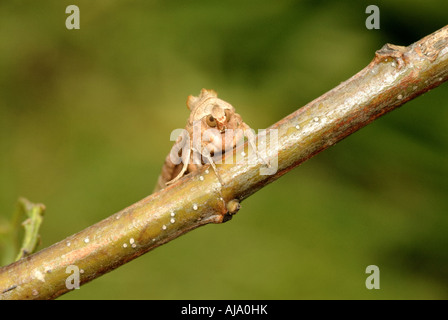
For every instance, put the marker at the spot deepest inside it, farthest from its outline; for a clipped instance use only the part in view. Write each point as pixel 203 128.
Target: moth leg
pixel 251 139
pixel 196 163
pixel 212 163
pixel 185 161
pixel 166 174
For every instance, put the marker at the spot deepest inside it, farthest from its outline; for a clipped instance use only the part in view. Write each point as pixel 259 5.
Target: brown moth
pixel 206 112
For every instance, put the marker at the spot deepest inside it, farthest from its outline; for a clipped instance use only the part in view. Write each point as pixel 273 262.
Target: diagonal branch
pixel 395 76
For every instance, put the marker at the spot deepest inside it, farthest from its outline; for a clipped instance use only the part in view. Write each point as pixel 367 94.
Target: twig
pixel 34 213
pixel 395 76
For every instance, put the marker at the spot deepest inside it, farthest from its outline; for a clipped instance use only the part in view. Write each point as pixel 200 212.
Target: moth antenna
pixel 251 139
pixel 212 163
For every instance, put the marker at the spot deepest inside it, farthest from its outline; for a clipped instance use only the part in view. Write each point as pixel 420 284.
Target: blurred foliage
pixel 85 119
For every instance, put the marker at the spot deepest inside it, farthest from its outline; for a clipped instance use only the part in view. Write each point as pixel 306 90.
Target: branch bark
pixel 396 75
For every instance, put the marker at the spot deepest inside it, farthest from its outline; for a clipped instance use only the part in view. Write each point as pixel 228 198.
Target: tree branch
pixel 395 76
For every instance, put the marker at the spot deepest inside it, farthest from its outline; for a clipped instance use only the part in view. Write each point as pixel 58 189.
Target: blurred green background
pixel 85 119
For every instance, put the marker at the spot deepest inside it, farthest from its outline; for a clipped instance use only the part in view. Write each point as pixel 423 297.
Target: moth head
pixel 212 111
pixel 218 117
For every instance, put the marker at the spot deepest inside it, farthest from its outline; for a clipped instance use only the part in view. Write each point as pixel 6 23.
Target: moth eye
pixel 211 121
pixel 228 114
